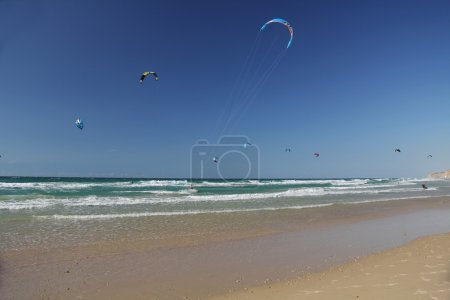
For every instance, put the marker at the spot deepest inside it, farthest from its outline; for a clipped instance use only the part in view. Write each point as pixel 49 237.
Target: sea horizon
pixel 222 179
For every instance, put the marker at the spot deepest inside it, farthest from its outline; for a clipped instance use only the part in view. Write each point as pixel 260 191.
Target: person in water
pixel 424 186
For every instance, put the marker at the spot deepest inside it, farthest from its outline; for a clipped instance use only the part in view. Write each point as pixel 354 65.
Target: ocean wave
pixel 139 184
pixel 56 185
pixel 25 204
pixel 186 197
pixel 393 199
pixel 158 192
pixel 182 194
pixel 175 213
pixel 300 192
pixel 282 182
pixel 80 217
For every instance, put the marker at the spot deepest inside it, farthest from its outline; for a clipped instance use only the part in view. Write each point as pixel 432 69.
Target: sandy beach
pixel 274 255
pixel 417 270
pixel 195 150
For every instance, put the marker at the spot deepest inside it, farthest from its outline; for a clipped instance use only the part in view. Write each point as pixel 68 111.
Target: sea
pixel 47 209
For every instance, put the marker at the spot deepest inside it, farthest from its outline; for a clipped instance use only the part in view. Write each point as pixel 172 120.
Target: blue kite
pixel 285 23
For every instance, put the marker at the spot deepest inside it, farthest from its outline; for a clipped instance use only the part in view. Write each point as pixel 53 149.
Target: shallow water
pixel 66 211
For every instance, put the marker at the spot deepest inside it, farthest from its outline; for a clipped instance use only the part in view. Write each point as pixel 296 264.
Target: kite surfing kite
pixel 285 23
pixel 146 73
pixel 261 63
pixel 287 150
pixel 79 123
pixel 397 150
pixel 316 154
pixel 429 156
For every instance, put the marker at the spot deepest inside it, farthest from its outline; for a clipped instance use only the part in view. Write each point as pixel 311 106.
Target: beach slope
pixel 418 270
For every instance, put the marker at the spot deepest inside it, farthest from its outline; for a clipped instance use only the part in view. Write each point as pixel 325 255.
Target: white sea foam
pixel 393 199
pixel 343 187
pixel 299 192
pixel 74 186
pixel 175 213
pixel 25 204
pixel 56 185
pixel 283 182
pixel 194 212
pixel 156 192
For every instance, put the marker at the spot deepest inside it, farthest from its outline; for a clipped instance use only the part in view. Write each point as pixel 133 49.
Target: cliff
pixel 442 175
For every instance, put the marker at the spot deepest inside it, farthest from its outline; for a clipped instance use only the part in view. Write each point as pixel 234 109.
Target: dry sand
pixel 418 270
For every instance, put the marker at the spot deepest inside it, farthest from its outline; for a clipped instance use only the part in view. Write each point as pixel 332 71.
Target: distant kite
pixel 285 23
pixel 287 150
pixel 397 150
pixel 145 74
pixel 429 156
pixel 316 154
pixel 79 123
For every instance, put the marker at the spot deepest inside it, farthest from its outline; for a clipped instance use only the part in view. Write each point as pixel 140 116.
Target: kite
pixel 79 123
pixel 316 154
pixel 145 74
pixel 397 150
pixel 285 23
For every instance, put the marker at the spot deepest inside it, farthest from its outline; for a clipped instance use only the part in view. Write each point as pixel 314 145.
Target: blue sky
pixel 360 79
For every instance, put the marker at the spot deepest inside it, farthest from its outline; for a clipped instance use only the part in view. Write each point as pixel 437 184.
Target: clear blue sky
pixel 360 79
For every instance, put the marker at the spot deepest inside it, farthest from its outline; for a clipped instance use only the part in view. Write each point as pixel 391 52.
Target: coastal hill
pixel 442 175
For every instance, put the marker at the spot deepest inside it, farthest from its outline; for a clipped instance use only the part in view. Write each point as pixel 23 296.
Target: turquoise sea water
pixel 103 198
pixel 43 212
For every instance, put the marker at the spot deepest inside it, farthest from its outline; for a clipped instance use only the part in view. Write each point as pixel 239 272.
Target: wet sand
pixel 418 270
pixel 199 257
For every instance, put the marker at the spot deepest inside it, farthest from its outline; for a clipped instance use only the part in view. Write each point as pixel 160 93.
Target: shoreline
pixel 236 251
pixel 177 231
pixel 419 269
